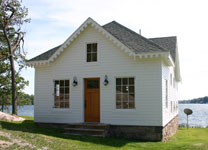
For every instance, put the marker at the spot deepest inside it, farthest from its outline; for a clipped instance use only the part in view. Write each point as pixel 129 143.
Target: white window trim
pixel 166 94
pixel 121 109
pixel 85 53
pixel 61 109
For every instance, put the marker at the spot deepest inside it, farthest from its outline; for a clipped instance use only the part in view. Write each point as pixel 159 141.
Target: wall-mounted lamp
pixel 106 80
pixel 75 83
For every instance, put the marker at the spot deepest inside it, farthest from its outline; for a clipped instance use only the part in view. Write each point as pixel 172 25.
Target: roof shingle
pixel 131 39
pixel 168 43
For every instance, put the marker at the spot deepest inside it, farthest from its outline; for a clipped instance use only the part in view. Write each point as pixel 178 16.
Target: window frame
pixel 91 62
pixel 125 109
pixel 166 94
pixel 54 94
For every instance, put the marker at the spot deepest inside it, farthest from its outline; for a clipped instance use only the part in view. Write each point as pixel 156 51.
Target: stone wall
pixel 145 133
pixel 170 129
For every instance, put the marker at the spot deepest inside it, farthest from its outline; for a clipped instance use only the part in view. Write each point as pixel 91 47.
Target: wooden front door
pixel 92 100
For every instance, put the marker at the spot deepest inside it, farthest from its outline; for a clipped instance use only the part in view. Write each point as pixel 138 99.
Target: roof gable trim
pixel 100 29
pixel 91 22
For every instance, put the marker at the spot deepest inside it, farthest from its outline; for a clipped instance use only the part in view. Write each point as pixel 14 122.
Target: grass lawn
pixel 24 135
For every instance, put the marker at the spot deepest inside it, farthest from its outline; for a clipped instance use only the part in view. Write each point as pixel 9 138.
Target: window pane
pixel 94 47
pixel 56 105
pixel 125 105
pixel 92 84
pixel 57 90
pixel 88 57
pixel 131 97
pixel 131 104
pixel 118 97
pixel 67 105
pixel 66 90
pixel 66 82
pixel 125 97
pixel 88 48
pixel 118 89
pixel 61 82
pixel 125 81
pixel 62 105
pixel 62 90
pixel 61 98
pixel 118 105
pixel 56 99
pixel 67 97
pixel 118 81
pixel 131 89
pixel 56 82
pixel 131 81
pixel 94 56
pixel 125 89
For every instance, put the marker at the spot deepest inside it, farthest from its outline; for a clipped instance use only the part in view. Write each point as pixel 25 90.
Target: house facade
pixel 110 75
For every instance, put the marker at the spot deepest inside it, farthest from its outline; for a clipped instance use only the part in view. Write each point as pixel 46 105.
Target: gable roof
pixel 46 55
pixel 133 41
pixel 169 43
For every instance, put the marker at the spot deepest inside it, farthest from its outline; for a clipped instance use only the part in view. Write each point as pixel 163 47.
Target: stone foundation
pixel 170 129
pixel 145 133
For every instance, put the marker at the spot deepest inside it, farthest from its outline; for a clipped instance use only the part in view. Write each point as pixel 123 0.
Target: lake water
pixel 198 118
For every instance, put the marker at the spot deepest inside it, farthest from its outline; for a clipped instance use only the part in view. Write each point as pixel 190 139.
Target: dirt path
pixel 7 140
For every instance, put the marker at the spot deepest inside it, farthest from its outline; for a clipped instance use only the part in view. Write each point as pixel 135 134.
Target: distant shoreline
pixel 201 100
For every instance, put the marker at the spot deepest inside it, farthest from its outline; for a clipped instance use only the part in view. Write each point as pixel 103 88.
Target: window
pixel 171 106
pixel 92 52
pixel 92 84
pixel 174 82
pixel 61 93
pixel 166 93
pixel 125 94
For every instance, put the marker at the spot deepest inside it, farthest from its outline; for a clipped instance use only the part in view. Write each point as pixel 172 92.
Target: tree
pixel 5 86
pixel 12 18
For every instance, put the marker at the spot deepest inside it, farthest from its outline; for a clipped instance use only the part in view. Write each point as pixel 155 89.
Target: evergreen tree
pixel 12 18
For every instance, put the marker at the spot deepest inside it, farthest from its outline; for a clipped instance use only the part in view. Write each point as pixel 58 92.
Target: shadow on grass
pixel 30 127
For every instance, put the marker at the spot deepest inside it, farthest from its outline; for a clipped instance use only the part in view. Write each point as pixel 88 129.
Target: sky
pixel 53 21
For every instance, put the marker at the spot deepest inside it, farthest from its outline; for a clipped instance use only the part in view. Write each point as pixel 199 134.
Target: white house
pixel 110 75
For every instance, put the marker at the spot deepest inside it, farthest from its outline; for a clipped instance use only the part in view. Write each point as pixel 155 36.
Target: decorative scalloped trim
pixel 100 29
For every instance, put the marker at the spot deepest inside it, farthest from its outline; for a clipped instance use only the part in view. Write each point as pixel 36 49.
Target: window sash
pixel 125 93
pixel 91 52
pixel 61 93
pixel 166 93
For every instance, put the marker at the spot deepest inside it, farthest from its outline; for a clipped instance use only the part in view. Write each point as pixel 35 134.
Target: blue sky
pixel 53 21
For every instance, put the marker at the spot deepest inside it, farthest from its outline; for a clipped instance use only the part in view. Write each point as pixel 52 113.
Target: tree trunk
pixel 14 93
pixel 13 73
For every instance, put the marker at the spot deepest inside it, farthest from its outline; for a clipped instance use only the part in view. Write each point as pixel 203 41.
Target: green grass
pixel 30 136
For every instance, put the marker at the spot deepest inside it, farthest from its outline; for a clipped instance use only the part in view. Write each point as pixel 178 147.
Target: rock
pixel 8 117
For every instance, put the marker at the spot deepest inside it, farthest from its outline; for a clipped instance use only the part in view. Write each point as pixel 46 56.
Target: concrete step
pixel 77 134
pixel 87 126
pixel 98 130
pixel 84 129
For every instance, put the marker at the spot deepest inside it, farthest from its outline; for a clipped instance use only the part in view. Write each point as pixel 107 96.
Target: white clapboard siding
pixel 113 62
pixel 172 94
